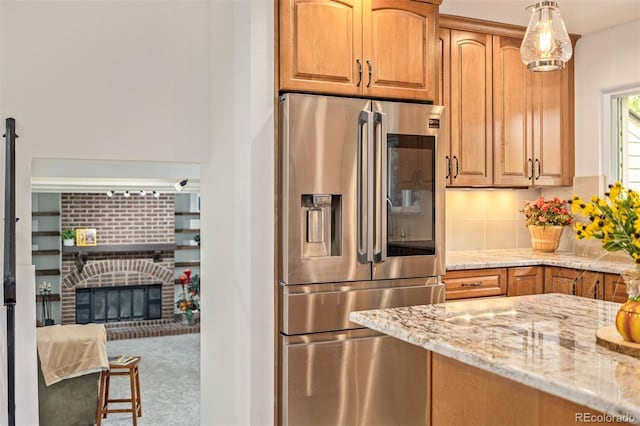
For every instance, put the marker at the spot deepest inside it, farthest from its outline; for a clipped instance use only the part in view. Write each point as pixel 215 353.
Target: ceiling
pixel 580 16
pixel 58 175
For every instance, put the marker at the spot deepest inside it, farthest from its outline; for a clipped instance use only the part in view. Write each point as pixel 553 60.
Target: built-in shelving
pixel 187 227
pixel 47 272
pixel 47 297
pixel 45 214
pixel 45 250
pixel 49 252
pixel 45 234
pixel 186 264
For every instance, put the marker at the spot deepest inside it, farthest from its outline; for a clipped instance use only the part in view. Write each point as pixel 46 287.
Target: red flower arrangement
pixel 188 299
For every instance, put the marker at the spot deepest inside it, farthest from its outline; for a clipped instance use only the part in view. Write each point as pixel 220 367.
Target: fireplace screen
pixel 111 304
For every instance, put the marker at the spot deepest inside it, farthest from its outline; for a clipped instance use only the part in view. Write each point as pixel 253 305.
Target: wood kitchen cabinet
pixel 525 280
pixel 465 89
pixel 574 281
pixel 506 126
pixel 470 283
pixel 615 290
pixel 532 120
pixel 374 48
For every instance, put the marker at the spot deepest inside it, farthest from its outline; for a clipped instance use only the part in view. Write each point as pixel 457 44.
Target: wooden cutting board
pixel 609 337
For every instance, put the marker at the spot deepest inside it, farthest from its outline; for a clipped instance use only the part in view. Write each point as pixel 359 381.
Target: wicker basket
pixel 545 239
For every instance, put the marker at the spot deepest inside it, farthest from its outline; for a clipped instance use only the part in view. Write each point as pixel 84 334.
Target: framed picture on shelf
pixel 86 237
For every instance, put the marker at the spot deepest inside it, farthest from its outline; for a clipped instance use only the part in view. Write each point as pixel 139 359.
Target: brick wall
pixel 121 220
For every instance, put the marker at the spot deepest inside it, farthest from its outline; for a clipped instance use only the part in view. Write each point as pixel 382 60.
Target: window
pixel 625 129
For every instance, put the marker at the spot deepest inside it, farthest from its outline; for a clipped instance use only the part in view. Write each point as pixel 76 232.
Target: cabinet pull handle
pixel 538 164
pixel 530 167
pixel 448 167
pixel 370 72
pixel 476 284
pixel 359 72
pixel 595 289
pixel 456 160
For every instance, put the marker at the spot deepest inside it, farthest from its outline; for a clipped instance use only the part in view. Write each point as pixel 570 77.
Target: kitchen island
pixel 520 360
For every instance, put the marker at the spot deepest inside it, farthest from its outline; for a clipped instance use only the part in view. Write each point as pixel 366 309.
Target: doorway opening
pixel 134 256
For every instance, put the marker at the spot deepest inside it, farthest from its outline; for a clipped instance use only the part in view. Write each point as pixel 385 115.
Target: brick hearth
pixel 150 328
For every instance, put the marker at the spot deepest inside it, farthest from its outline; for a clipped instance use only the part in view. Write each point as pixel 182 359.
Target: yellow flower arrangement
pixel 612 219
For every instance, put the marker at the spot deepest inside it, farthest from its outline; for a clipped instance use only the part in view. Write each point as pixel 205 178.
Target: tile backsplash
pixel 479 219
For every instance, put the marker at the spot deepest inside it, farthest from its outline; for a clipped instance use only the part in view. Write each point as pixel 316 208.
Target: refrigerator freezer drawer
pixel 314 308
pixel 357 378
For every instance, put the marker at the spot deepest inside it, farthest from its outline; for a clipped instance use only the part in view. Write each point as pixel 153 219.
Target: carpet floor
pixel 169 380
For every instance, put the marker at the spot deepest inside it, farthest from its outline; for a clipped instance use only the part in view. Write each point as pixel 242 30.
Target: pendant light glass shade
pixel 546 45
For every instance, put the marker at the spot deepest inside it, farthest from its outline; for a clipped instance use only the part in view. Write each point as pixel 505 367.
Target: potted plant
pixel 613 219
pixel 546 220
pixel 68 237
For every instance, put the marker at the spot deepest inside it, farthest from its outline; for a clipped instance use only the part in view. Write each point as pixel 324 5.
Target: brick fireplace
pixel 135 237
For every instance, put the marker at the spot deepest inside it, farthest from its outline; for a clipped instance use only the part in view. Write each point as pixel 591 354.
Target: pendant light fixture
pixel 546 45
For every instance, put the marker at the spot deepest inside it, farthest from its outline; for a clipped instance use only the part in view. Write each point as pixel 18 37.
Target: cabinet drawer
pixel 475 283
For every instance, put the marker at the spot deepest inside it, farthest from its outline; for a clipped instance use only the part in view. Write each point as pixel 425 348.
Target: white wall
pixel 239 359
pixel 604 61
pixel 159 81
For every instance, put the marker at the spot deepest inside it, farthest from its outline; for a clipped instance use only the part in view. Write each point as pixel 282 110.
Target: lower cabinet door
pixel 355 378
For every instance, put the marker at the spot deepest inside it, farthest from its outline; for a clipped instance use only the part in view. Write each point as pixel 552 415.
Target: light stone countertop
pixel 545 341
pixel 480 259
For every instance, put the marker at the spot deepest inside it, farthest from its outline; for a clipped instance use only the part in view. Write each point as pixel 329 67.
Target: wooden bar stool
pixel 121 367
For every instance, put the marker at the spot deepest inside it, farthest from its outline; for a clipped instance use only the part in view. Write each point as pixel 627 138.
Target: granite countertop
pixel 479 259
pixel 545 341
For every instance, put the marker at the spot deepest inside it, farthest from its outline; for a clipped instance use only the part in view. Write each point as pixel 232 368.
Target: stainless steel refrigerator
pixel 361 226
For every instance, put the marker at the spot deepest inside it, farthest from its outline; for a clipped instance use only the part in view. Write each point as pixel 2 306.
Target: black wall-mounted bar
pixel 10 262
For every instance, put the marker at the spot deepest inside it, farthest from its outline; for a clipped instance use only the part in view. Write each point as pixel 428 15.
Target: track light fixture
pixel 126 194
pixel 110 193
pixel 156 194
pixel 143 193
pixel 179 185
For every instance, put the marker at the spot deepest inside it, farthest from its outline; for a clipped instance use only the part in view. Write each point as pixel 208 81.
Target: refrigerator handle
pixel 380 190
pixel 363 188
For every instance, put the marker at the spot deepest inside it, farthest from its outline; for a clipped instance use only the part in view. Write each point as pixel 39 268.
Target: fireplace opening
pixel 123 303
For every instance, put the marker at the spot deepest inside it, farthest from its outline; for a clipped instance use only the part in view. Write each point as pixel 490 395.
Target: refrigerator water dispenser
pixel 320 213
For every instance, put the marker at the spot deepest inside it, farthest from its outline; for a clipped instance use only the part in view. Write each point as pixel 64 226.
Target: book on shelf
pixel 123 359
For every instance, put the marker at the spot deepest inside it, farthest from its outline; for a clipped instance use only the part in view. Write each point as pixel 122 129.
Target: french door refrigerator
pixel 361 226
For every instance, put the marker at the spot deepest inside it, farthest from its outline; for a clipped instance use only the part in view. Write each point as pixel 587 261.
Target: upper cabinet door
pixel 444 93
pixel 512 143
pixel 552 100
pixel 399 42
pixel 321 45
pixel 471 109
